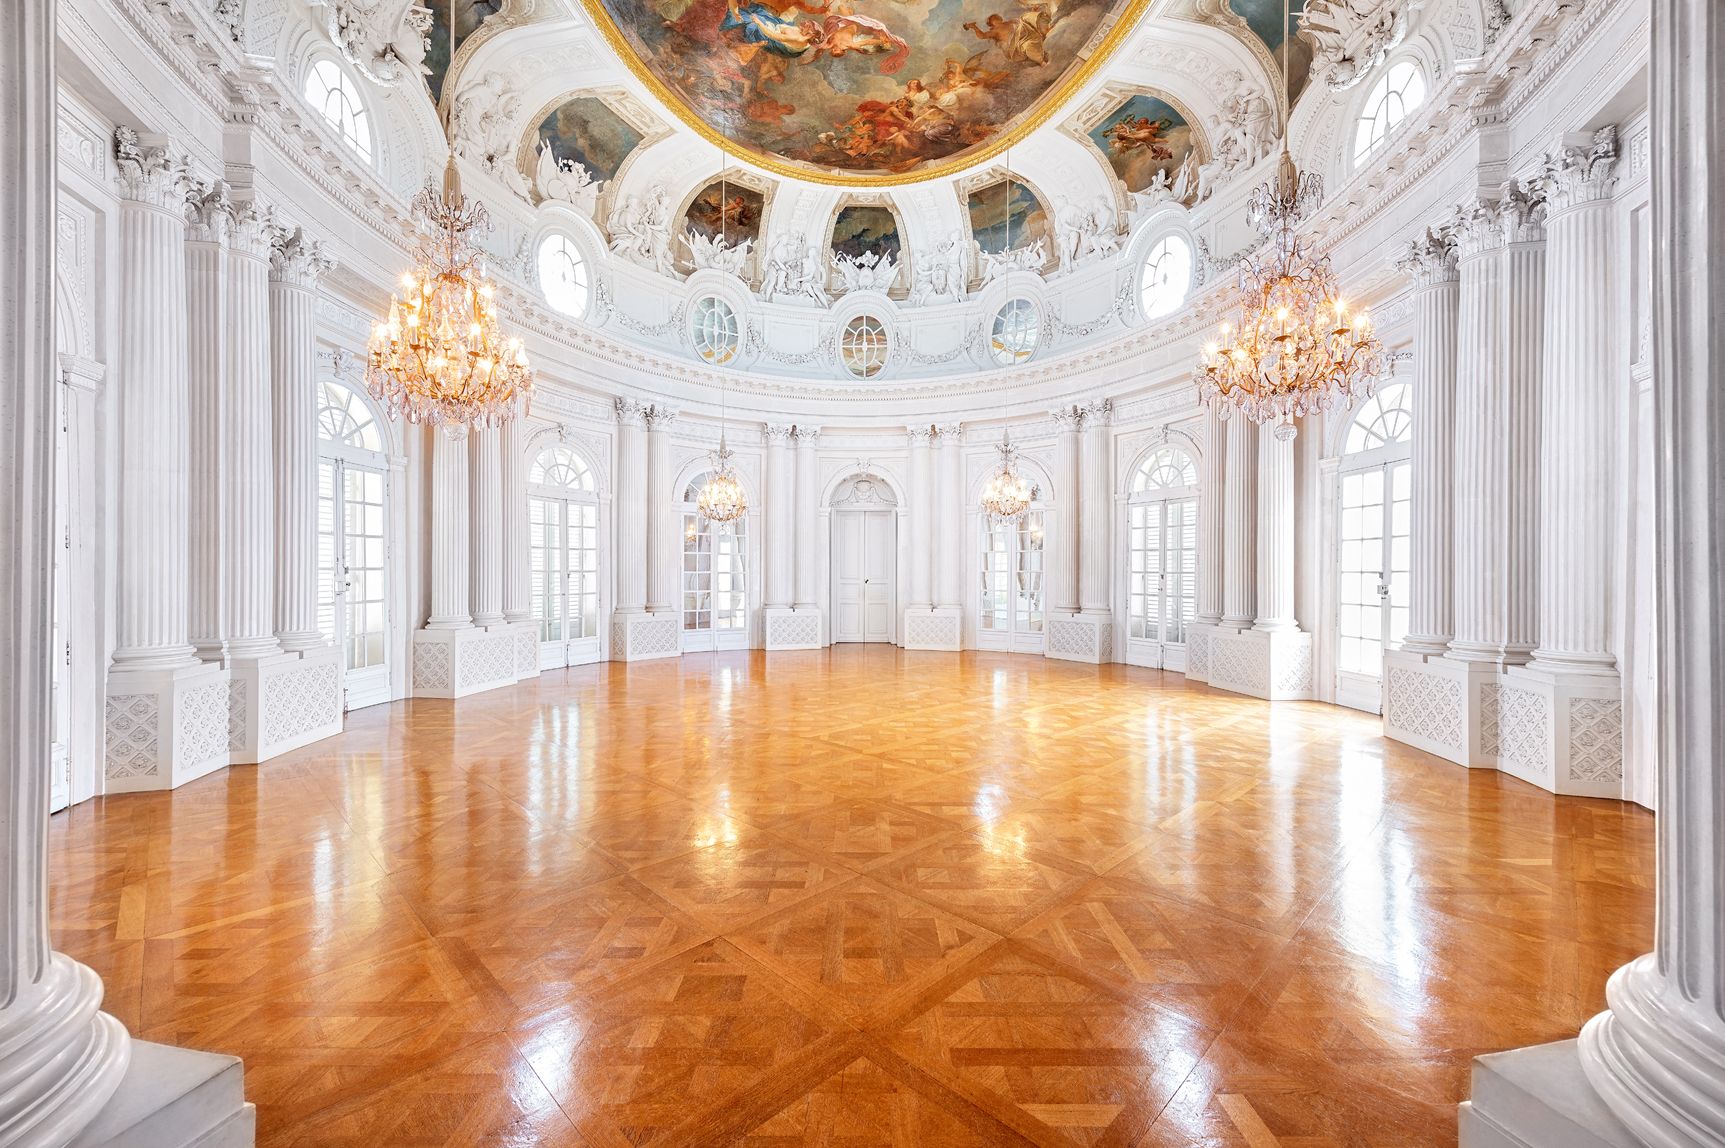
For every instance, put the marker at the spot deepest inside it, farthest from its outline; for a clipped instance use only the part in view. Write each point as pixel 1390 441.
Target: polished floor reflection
pixel 854 898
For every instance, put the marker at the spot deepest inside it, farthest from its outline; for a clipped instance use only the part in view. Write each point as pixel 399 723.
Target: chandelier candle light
pixel 440 356
pixel 1007 495
pixel 1297 350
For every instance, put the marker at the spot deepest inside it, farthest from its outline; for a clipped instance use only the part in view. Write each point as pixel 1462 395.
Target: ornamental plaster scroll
pixel 870 271
pixel 385 40
pixel 1351 37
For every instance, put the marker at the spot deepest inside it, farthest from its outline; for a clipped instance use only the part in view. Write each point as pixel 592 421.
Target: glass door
pixel 1161 585
pixel 1372 579
pixel 715 583
pixel 353 605
pixel 1013 601
pixel 563 537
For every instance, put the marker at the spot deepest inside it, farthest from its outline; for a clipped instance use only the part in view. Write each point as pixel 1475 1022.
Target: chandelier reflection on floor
pixel 1007 495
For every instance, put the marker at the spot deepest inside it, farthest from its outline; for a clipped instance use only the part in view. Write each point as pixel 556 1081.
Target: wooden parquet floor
pixel 857 897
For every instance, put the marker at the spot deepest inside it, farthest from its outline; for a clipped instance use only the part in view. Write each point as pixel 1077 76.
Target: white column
pixel 295 265
pixel 948 518
pixel 1212 476
pixel 208 319
pixel 664 558
pixel 512 436
pixel 1431 263
pixel 778 587
pixel 60 1057
pixel 1239 523
pixel 919 519
pixel 1579 412
pixel 1095 509
pixel 249 572
pixel 1276 528
pixel 1658 1056
pixel 450 566
pixel 1524 292
pixel 485 523
pixel 631 502
pixel 808 519
pixel 1062 539
pixel 152 630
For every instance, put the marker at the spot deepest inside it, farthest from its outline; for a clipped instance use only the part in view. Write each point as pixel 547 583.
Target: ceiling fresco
pixel 864 92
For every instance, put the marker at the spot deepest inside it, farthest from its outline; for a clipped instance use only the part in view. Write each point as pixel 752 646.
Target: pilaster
pixel 209 317
pixel 1239 524
pixel 450 548
pixel 485 519
pixel 1061 556
pixel 517 604
pixel 664 548
pixel 809 536
pixel 948 519
pixel 1431 263
pixel 778 586
pixel 1276 529
pixel 631 503
pixel 919 521
pixel 248 573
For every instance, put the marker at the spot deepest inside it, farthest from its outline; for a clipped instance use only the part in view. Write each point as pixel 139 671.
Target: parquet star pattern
pixel 853 898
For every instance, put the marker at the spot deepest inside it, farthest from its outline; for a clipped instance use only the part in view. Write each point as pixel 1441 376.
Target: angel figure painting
pixel 1007 216
pixel 861 91
pixel 1142 137
pixel 584 132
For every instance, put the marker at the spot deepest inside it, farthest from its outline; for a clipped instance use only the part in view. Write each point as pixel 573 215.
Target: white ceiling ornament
pixel 385 40
pixel 1351 37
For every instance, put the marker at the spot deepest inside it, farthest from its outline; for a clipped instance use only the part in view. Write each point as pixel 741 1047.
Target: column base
pixel 787 628
pixel 644 637
pixel 934 628
pixel 282 701
pixel 1538 1097
pixel 1198 639
pixel 1081 637
pixel 456 663
pixel 175 1098
pixel 165 727
pixel 1275 665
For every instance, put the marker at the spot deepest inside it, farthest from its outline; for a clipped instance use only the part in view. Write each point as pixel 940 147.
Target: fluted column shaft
pixel 664 562
pixel 248 574
pixel 451 552
pixel 295 266
pixel 1578 414
pixel 778 586
pixel 208 319
pixel 1212 476
pixel 808 519
pixel 517 591
pixel 1062 534
pixel 1276 528
pixel 948 518
pixel 61 1059
pixel 1240 525
pixel 1095 508
pixel 485 518
pixel 919 519
pixel 153 624
pixel 1658 1056
pixel 631 516
pixel 1431 262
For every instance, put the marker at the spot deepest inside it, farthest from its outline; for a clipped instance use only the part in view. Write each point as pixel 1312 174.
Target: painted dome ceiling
pixel 864 91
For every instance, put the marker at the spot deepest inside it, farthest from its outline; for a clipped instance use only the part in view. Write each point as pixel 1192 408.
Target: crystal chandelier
pixel 440 356
pixel 721 499
pixel 1007 495
pixel 1297 351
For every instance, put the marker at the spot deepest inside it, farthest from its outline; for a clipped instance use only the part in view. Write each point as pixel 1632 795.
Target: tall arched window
pixel 715 577
pixel 1167 277
pixel 1162 557
pixel 563 275
pixel 1013 603
pixel 1401 90
pixel 563 556
pixel 333 94
pixel 353 540
pixel 1372 543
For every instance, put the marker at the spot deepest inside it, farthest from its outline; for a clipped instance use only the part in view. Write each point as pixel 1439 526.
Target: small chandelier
pixel 721 499
pixel 1297 351
pixel 1007 495
pixel 440 356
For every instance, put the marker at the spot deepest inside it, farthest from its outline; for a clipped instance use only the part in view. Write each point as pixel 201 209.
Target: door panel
pixel 879 563
pixel 1161 581
pixel 1371 578
pixel 864 558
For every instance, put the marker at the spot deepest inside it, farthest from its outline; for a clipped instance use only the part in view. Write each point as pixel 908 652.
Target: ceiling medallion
pixel 1007 495
pixel 864 92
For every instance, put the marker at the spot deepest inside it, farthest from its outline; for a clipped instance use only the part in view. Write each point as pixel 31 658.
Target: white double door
pixel 1372 579
pixel 865 551
pixel 353 598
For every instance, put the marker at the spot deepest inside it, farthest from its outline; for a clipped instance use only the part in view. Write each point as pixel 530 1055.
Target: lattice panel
pixel 658 636
pixel 1595 739
pixel 1425 705
pixel 133 735
pixel 1239 664
pixel 237 713
pixel 931 630
pixel 1072 638
pixel 1295 675
pixel 203 725
pixel 1198 655
pixel 526 652
pixel 1489 704
pixel 1524 729
pixel 299 701
pixel 793 630
pixel 430 666
pixel 488 659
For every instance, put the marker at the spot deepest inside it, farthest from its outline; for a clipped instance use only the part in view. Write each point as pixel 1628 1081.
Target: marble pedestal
pixel 165 727
pixel 1538 1097
pixel 641 637
pixel 936 628
pixel 1080 637
pixel 787 628
pixel 174 1098
pixel 1275 665
pixel 282 701
pixel 469 660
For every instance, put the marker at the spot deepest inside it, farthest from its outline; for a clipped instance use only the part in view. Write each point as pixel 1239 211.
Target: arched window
pixel 563 275
pixel 715 577
pixel 328 89
pixel 353 540
pixel 1372 559
pixel 863 346
pixel 563 556
pixel 1401 90
pixel 1162 557
pixel 1015 334
pixel 1167 277
pixel 1013 603
pixel 715 330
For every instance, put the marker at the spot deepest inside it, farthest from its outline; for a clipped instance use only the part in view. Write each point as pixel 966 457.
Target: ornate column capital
pixel 297 259
pixel 776 434
pixel 149 174
pixel 1066 420
pixel 1582 170
pixel 807 436
pixel 252 229
pixel 659 417
pixel 952 431
pixel 1430 260
pixel 209 213
pixel 1098 412
pixel 920 435
pixel 1517 215
pixel 631 412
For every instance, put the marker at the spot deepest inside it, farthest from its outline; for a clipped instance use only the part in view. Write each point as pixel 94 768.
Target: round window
pixel 715 330
pixel 1167 277
pixel 563 275
pixel 862 346
pixel 1016 332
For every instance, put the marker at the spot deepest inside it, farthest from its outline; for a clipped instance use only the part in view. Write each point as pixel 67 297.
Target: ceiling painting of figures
pixel 469 15
pixel 864 92
pixel 1148 143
